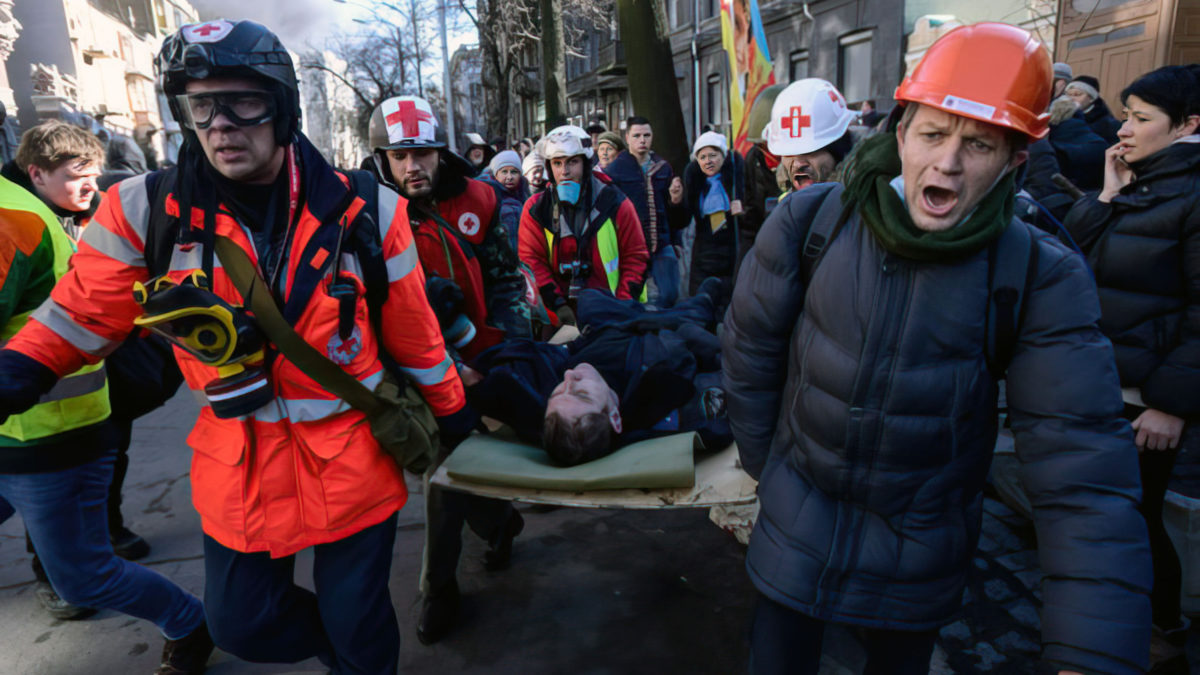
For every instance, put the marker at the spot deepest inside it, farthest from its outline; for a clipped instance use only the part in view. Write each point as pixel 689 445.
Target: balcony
pixel 612 59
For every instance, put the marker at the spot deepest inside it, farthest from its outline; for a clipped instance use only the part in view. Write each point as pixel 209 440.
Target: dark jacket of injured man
pixel 631 375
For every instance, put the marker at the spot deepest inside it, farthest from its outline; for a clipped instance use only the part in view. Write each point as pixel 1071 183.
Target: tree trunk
pixel 652 86
pixel 414 20
pixel 554 63
pixel 493 73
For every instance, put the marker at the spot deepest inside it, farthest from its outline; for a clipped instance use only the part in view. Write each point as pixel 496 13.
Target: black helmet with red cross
pixel 221 48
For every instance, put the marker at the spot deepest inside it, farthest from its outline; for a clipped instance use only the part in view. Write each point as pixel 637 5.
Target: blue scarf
pixel 715 198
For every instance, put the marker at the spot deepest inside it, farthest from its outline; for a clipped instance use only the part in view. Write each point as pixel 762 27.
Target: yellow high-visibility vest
pixel 79 399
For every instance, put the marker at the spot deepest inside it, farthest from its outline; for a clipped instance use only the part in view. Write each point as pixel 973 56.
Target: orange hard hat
pixel 992 72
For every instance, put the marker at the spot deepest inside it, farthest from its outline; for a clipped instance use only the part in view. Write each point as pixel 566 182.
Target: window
pixel 798 65
pixel 715 98
pixel 712 8
pixel 854 66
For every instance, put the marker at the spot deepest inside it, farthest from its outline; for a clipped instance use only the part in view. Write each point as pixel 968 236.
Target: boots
pixel 498 557
pixel 439 612
pixel 188 655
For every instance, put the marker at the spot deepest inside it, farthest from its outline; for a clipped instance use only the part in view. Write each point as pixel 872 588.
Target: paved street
pixel 589 592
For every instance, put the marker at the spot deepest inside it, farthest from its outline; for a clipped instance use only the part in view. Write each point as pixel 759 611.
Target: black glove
pixel 566 315
pixel 23 380
pixel 455 427
pixel 446 299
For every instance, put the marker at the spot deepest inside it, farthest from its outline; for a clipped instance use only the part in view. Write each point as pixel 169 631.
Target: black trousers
pixel 786 642
pixel 257 612
pixel 446 511
pixel 1156 466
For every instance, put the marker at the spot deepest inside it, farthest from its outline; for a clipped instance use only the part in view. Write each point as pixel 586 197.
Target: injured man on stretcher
pixel 632 374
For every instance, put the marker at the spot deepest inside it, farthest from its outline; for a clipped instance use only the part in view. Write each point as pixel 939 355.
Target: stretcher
pixel 718 481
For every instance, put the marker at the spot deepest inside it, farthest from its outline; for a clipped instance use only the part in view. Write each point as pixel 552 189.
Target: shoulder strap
pixel 250 284
pixel 822 230
pixel 368 244
pixel 1012 266
pixel 163 229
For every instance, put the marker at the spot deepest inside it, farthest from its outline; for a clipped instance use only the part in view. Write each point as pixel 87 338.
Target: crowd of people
pixel 843 300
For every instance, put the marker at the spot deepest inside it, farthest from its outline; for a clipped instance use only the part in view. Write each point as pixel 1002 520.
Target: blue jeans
pixel 664 270
pixel 257 613
pixel 66 517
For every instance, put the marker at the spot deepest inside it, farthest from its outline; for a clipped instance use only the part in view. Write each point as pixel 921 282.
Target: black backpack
pixel 1012 265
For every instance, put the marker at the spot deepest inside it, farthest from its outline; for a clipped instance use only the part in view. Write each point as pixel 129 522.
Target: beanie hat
pixel 1087 84
pixel 531 162
pixel 613 139
pixel 711 139
pixel 503 159
pixel 1062 71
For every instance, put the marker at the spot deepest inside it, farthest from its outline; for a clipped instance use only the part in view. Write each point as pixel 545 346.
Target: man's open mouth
pixel 939 201
pixel 802 179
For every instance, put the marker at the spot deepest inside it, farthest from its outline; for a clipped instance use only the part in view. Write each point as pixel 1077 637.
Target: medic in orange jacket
pixel 304 469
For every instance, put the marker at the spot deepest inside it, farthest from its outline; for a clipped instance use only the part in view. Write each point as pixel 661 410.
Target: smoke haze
pixel 296 22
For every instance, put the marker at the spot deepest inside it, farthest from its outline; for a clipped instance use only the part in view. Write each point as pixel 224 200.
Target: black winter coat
pixel 628 177
pixel 1080 152
pixel 1144 248
pixel 762 194
pixel 866 409
pixel 714 254
pixel 1101 120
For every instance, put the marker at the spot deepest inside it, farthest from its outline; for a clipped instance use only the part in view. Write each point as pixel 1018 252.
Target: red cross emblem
pixel 833 97
pixel 212 31
pixel 795 122
pixel 409 117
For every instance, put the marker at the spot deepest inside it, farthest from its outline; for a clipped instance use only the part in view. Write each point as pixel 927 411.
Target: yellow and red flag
pixel 749 62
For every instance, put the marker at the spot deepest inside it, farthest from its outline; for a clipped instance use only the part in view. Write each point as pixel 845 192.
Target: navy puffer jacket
pixel 868 413
pixel 1144 247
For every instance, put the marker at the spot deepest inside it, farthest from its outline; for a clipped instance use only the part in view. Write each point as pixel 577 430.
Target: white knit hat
pixel 711 139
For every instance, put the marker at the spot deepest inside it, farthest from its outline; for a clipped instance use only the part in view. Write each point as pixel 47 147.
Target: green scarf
pixel 868 175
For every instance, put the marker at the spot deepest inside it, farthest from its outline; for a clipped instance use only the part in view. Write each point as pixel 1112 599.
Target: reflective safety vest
pixel 606 244
pixel 603 235
pixel 79 399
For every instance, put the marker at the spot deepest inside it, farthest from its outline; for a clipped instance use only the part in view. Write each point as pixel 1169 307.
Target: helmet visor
pixel 243 108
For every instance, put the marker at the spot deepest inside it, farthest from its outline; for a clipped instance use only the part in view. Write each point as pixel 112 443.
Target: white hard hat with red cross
pixel 807 116
pixel 404 122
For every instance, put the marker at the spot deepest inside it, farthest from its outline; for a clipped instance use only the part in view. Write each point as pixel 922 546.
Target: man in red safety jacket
pixel 581 232
pixel 456 224
pixel 479 293
pixel 302 468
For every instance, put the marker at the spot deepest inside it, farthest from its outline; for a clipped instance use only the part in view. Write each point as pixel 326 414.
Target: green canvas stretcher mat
pixel 500 459
pixel 719 481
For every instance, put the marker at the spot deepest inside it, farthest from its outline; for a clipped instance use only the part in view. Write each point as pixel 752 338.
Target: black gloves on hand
pixel 446 299
pixel 23 380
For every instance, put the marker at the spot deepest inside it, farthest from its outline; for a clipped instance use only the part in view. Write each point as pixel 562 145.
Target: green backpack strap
pixel 253 288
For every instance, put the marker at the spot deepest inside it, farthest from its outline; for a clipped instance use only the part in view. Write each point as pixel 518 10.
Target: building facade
pixel 466 83
pixel 96 57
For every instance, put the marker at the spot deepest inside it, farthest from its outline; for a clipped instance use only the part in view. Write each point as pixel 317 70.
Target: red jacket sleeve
pixel 91 309
pixel 533 251
pixel 411 333
pixel 634 257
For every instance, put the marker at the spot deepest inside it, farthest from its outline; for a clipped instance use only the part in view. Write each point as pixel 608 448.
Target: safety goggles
pixel 243 108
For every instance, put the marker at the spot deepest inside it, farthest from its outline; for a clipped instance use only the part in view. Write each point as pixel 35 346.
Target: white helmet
pixel 559 143
pixel 585 139
pixel 807 116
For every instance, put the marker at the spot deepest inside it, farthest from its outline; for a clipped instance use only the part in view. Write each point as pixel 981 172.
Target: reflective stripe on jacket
pixel 304 469
pixel 81 398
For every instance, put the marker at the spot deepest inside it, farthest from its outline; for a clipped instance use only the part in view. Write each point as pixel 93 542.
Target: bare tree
pixel 511 39
pixel 385 58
